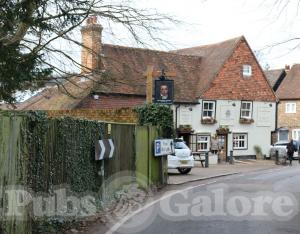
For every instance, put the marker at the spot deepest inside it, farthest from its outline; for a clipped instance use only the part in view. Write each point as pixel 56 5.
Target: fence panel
pixel 40 153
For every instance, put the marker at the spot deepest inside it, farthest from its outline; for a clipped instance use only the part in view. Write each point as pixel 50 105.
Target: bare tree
pixel 280 9
pixel 29 30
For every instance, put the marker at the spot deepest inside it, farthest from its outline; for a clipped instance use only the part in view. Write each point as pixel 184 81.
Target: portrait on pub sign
pixel 164 91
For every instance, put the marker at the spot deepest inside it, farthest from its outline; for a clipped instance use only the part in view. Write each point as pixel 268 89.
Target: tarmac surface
pixel 253 201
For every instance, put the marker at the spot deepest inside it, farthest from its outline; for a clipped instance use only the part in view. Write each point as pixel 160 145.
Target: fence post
pixel 231 157
pixel 206 160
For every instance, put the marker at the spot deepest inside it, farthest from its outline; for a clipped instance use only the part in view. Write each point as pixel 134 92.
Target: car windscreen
pixel 180 145
pixel 281 144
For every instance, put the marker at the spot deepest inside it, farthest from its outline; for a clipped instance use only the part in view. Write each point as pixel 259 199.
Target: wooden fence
pixel 39 153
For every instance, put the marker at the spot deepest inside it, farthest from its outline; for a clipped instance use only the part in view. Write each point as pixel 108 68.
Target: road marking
pixel 126 218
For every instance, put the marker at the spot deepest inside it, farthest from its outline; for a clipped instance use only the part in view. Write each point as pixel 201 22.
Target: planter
pixel 208 121
pixel 185 130
pixel 246 121
pixel 222 131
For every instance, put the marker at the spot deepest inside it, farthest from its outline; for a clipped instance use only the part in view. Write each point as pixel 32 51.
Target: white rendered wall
pixel 259 132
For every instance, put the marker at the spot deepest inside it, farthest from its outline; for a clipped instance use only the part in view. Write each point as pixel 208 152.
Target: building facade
pixel 288 113
pixel 219 89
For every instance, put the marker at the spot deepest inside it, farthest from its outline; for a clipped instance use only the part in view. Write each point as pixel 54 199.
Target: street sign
pixel 163 147
pixel 104 149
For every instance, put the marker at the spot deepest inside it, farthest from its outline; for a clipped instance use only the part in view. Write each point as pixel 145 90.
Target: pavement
pixel 199 173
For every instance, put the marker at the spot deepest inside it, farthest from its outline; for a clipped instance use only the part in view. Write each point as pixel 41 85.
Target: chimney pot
pixel 287 67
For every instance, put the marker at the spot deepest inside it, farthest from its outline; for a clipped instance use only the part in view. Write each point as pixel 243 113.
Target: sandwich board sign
pixel 163 147
pixel 104 149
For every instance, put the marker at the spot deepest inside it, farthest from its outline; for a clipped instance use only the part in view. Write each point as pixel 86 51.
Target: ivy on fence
pixel 157 115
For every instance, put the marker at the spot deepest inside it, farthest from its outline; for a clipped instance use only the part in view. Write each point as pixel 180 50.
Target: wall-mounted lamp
pixel 96 96
pixel 233 104
pixel 270 105
pixel 190 108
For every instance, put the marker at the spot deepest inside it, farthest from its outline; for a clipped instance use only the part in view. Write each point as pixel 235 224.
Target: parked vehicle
pixel 281 147
pixel 182 159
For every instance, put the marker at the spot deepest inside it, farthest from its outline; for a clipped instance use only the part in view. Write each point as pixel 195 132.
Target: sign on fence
pixel 104 149
pixel 163 147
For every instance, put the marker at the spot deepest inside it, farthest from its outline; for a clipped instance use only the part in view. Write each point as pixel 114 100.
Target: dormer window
pixel 247 70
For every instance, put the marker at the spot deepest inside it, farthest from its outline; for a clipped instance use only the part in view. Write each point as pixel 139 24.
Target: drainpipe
pixel 176 110
pixel 276 122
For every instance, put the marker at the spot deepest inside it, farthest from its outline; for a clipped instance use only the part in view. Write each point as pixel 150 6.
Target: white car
pixel 281 147
pixel 182 159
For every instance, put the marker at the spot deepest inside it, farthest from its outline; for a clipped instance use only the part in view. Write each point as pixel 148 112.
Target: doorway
pixel 222 142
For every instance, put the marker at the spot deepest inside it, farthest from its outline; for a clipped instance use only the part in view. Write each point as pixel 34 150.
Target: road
pixel 256 202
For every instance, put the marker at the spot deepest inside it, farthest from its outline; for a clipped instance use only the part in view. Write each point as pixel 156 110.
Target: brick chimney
pixel 91 35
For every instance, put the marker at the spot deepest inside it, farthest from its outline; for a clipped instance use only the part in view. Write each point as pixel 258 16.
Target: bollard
pixel 231 157
pixel 276 157
pixel 206 160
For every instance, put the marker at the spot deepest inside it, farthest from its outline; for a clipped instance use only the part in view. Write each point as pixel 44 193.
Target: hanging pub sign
pixel 164 91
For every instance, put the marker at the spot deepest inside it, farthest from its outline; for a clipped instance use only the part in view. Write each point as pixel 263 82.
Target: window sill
pixel 208 121
pixel 240 148
pixel 246 121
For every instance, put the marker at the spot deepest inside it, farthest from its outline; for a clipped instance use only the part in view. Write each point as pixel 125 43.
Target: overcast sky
pixel 210 21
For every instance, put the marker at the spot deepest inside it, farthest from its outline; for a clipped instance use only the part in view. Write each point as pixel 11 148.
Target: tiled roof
pixel 54 98
pixel 213 58
pixel 126 67
pixel 289 88
pixel 274 75
pixel 195 68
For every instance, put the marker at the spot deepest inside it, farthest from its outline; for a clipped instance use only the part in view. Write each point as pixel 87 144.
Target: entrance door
pixel 222 141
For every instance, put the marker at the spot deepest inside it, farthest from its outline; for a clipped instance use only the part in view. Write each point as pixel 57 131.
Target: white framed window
pixel 296 134
pixel 208 109
pixel 247 70
pixel 240 141
pixel 246 110
pixel 203 143
pixel 290 107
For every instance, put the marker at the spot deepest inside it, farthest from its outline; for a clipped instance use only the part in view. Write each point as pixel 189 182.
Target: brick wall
pixel 92 41
pixel 111 102
pixel 290 121
pixel 231 85
pixel 124 115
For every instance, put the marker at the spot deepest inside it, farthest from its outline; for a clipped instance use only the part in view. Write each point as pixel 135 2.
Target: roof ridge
pixel 237 39
pixel 151 50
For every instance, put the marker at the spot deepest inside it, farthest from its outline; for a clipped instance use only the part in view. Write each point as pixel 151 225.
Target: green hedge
pixel 157 115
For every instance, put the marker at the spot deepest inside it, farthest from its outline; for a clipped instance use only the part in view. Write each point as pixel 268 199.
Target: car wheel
pixel 184 170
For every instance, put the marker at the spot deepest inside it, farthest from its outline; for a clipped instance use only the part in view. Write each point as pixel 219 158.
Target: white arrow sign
pixel 112 148
pixel 104 149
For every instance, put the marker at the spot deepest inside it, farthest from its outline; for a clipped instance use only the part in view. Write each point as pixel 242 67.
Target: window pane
pixel 240 141
pixel 245 113
pixel 283 135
